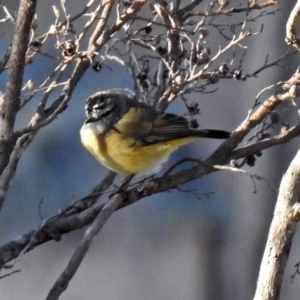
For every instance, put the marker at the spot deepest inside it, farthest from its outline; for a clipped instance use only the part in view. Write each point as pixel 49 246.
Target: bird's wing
pixel 167 127
pixel 136 123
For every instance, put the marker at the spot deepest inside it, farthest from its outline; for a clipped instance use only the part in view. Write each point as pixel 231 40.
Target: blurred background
pixel 204 241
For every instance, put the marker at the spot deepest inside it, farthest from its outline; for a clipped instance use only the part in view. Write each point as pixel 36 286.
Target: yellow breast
pixel 121 155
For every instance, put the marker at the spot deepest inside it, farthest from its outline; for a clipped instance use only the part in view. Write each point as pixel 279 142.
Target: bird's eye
pixel 106 114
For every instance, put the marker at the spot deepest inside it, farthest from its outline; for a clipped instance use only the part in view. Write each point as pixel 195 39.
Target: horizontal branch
pixel 85 210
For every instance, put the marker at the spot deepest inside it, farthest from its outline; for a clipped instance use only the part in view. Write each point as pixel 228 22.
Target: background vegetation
pixel 194 232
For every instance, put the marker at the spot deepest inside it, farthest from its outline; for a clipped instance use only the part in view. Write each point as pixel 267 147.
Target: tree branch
pixel 46 232
pixel 64 279
pixel 76 218
pixel 291 36
pixel 10 104
pixel 232 10
pixel 282 229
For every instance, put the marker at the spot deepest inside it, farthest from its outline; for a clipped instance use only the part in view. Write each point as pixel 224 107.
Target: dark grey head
pixel 106 107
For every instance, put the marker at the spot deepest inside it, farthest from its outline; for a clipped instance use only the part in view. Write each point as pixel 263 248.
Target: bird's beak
pixel 90 120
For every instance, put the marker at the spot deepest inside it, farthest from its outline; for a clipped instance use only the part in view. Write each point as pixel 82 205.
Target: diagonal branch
pixel 64 279
pixel 80 215
pixel 266 143
pixel 58 224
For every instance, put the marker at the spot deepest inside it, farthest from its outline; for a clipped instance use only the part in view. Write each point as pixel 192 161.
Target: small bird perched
pixel 130 137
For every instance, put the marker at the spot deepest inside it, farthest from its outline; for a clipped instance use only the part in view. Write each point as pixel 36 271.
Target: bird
pixel 130 137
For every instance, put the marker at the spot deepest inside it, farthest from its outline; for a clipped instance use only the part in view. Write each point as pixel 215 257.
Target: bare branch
pixel 8 15
pixel 92 20
pixel 291 37
pixel 9 274
pixel 51 229
pixel 229 11
pixel 10 170
pixel 283 137
pixel 101 36
pixel 64 279
pixel 5 59
pixel 268 65
pixel 169 57
pixel 222 155
pixel 10 104
pixel 283 226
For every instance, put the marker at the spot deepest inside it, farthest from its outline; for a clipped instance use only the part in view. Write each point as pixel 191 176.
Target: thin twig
pixel 64 279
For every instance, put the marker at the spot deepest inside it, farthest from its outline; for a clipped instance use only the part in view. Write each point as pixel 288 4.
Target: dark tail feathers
pixel 215 134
